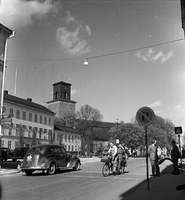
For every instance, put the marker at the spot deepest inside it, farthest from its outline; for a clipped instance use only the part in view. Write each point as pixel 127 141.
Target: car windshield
pixel 36 150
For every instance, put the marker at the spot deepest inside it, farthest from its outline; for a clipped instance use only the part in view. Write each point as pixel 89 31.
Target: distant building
pixel 62 103
pixel 28 119
pixel 69 138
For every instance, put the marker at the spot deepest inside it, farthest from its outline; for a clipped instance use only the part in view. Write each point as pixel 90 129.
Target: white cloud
pixel 178 106
pixel 153 56
pixel 75 91
pixel 73 42
pixel 16 14
pixel 156 104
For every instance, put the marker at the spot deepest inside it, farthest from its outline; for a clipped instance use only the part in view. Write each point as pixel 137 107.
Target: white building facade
pixel 28 118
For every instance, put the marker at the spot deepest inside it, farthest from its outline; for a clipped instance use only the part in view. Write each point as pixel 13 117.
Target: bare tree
pixel 87 118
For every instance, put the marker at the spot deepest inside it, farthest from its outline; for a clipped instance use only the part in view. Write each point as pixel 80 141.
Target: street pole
pixel 146 142
pixel 5 34
pixel 180 151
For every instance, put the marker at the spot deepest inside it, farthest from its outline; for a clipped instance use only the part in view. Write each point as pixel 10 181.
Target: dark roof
pixel 102 133
pixel 28 102
pixel 63 100
pixel 64 128
pixel 61 82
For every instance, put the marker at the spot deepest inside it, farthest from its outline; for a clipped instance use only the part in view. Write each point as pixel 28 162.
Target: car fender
pixel 49 161
pixel 72 162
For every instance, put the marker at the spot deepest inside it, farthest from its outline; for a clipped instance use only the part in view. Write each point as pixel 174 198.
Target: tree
pixel 87 118
pixel 34 136
pixel 21 135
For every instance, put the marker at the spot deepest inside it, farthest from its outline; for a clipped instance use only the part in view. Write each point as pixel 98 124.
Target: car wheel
pixel 52 168
pixel 28 172
pixel 77 166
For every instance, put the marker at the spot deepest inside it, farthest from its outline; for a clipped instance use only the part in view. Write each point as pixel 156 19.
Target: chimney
pixel 29 99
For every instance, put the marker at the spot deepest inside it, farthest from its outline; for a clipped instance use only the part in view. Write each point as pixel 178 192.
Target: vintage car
pixel 48 158
pixel 18 153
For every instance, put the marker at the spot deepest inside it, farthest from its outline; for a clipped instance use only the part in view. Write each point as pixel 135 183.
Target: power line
pixel 135 49
pixel 102 55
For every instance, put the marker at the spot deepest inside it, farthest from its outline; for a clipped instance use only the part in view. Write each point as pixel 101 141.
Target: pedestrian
pixel 175 155
pixel 152 152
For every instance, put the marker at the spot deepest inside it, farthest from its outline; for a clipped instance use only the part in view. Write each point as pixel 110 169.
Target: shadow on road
pixel 159 181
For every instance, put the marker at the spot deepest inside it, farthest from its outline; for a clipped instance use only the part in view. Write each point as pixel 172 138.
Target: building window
pixel 16 144
pixel 68 147
pixel 18 114
pixel 36 118
pixel 24 115
pixel 11 112
pixel 4 109
pixel 9 144
pixel 17 129
pixel 49 121
pixel 45 133
pixel 40 132
pixel 30 117
pixel 66 137
pixel 69 138
pixel 72 148
pixel 72 138
pixel 40 119
pixel 29 131
pixel 10 131
pixel 45 120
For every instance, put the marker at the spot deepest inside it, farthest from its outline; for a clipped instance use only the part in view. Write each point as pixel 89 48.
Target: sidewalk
pixel 160 188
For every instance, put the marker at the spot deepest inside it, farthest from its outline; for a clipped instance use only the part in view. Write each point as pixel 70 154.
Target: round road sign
pixel 145 116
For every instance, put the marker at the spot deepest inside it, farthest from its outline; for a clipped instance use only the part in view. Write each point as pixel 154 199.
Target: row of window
pixel 67 147
pixel 66 137
pixel 29 116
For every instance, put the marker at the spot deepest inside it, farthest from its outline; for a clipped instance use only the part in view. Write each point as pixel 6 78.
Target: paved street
pixel 88 183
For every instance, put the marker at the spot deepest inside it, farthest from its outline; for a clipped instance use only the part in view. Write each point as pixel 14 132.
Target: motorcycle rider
pixel 113 152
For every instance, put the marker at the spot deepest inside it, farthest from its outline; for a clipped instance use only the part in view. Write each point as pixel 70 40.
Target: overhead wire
pixel 102 55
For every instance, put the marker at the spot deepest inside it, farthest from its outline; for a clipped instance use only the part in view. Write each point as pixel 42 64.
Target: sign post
pixel 145 116
pixel 178 131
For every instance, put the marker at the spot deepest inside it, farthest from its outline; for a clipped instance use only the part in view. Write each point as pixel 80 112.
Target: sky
pixel 135 50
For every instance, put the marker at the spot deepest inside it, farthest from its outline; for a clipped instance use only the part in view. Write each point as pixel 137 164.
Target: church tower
pixel 62 103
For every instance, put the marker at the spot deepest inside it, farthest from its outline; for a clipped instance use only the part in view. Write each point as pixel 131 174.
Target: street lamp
pixel 5 34
pixel 117 127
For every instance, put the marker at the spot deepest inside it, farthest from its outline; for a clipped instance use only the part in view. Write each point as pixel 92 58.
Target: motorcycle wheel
pixel 105 170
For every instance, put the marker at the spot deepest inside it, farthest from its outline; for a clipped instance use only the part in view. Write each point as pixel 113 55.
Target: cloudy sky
pixel 135 51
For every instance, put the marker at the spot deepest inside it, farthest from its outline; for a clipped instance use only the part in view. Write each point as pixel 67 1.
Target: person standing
pixel 152 152
pixel 175 155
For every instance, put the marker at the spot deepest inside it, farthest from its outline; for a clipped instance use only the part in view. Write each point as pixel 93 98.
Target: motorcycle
pixel 108 165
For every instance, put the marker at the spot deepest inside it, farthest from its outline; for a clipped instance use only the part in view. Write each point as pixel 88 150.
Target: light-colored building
pixel 62 105
pixel 28 119
pixel 68 137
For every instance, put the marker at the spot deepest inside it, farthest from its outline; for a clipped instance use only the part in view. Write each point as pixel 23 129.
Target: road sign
pixel 6 122
pixel 145 116
pixel 178 130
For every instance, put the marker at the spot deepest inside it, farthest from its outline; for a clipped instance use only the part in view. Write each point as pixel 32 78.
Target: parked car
pixel 48 158
pixel 6 153
pixel 18 153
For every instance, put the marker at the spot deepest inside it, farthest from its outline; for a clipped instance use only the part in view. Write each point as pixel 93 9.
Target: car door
pixel 62 157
